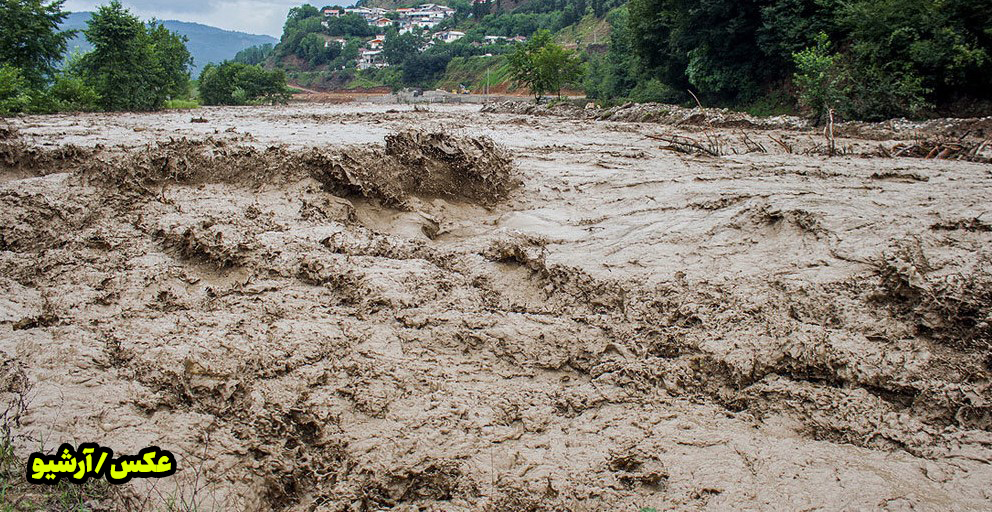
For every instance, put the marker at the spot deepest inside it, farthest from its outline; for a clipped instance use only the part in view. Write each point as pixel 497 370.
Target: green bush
pixel 879 92
pixel 234 83
pixel 182 104
pixel 70 93
pixel 655 91
pixel 15 95
pixel 819 79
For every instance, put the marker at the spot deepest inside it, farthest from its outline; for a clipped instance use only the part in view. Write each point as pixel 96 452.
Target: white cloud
pixel 252 16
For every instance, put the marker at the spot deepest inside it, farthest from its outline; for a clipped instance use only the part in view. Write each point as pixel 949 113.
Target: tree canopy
pixel 30 39
pixel 886 57
pixel 543 66
pixel 134 66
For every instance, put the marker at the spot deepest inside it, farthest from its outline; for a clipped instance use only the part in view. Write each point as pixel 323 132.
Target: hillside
pixel 206 44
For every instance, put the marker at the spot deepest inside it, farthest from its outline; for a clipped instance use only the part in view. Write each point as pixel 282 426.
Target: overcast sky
pixel 252 16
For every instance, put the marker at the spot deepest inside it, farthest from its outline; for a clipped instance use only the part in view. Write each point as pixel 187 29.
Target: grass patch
pixel 182 104
pixel 471 71
pixel 589 30
pixel 773 104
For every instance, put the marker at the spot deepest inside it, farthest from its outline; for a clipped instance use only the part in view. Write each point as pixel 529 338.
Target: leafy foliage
pixel 398 48
pixel 818 78
pixel 307 30
pixel 134 67
pixel 543 66
pixel 254 54
pixel 893 57
pixel 30 39
pixel 15 95
pixel 29 83
pixel 235 83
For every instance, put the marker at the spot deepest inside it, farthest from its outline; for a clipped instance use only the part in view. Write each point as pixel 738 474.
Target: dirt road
pixel 629 327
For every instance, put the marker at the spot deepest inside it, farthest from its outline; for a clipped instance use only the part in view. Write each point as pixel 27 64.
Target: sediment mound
pixel 418 163
pixel 17 155
pixel 410 163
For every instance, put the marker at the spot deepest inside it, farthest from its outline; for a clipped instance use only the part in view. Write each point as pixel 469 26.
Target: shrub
pixel 15 96
pixel 73 94
pixel 819 79
pixel 234 83
pixel 182 104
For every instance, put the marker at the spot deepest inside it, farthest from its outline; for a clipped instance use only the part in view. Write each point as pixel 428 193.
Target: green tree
pixel 543 66
pixel 398 48
pixel 171 60
pixel 30 39
pixel 254 54
pixel 904 51
pixel 620 71
pixel 15 95
pixel 134 67
pixel 312 49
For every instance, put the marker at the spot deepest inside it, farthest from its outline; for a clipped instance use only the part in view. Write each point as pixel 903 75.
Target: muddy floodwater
pixel 367 307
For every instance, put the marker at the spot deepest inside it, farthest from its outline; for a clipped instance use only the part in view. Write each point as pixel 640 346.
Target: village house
pixel 361 11
pixel 376 44
pixel 369 15
pixel 424 16
pixel 334 41
pixel 371 59
pixel 449 36
pixel 332 13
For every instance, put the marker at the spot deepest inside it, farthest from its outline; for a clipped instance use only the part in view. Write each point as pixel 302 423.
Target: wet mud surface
pixel 359 307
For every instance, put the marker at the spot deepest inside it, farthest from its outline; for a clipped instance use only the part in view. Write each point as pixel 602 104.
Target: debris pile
pixel 945 150
pixel 17 155
pixel 652 113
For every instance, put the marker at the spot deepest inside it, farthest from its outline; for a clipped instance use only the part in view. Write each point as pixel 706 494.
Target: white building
pixel 449 36
pixel 371 59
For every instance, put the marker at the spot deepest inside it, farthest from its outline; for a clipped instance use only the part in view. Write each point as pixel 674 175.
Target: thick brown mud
pixel 353 308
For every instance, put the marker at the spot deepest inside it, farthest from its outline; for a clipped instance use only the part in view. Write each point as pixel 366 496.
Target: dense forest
pixel 868 59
